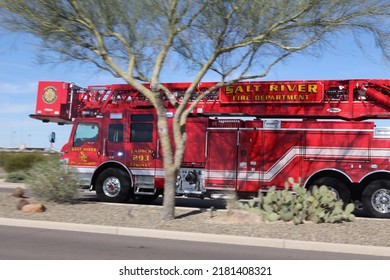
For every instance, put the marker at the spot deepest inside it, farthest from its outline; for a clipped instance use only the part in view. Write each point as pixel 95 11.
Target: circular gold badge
pixel 49 95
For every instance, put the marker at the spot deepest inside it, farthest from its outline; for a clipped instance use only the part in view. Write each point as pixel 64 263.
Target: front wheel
pixel 113 185
pixel 376 199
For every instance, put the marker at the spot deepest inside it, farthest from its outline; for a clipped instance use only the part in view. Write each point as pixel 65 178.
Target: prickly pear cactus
pixel 300 205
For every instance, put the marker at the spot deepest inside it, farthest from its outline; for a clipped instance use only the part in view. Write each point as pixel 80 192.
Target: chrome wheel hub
pixel 380 200
pixel 111 186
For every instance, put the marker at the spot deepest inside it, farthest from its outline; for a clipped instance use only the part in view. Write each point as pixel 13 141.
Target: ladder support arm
pixel 377 95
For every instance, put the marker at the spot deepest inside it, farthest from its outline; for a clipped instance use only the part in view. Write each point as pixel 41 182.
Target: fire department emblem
pixel 49 95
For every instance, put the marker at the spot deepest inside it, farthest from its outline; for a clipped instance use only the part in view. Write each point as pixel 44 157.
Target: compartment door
pixel 221 162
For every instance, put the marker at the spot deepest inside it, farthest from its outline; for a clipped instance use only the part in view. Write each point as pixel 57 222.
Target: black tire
pixel 338 187
pixel 113 185
pixel 376 199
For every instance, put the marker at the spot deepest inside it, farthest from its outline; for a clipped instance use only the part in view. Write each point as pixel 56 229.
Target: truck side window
pixel 85 132
pixel 115 132
pixel 141 132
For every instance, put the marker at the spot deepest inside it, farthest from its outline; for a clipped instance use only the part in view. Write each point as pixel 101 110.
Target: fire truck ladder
pixel 333 99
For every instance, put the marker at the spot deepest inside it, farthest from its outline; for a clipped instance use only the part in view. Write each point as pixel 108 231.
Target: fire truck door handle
pixel 206 150
pixel 157 153
pixel 104 147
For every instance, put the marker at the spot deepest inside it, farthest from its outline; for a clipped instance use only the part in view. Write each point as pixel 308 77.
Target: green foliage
pixel 17 161
pixel 318 206
pixel 16 177
pixel 51 181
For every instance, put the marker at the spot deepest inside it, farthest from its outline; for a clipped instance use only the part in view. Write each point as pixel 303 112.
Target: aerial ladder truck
pixel 242 138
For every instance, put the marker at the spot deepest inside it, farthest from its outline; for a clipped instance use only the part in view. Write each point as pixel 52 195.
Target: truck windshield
pixel 85 132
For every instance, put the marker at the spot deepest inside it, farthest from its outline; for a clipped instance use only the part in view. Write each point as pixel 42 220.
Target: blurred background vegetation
pixel 15 164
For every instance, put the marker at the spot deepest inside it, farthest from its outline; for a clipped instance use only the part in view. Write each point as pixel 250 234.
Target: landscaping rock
pixel 22 203
pixel 33 208
pixel 18 192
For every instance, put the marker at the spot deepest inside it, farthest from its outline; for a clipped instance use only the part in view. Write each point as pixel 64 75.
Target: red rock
pixel 33 208
pixel 21 203
pixel 18 192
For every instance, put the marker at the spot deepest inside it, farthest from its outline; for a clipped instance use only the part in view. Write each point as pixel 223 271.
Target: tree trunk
pixel 168 211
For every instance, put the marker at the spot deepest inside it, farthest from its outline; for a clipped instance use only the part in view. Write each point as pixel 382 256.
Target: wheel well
pixel 359 187
pixel 329 173
pixel 104 166
pixel 356 189
pixel 375 176
pixel 378 175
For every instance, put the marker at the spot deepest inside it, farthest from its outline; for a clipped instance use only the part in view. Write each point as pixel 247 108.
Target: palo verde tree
pixel 235 40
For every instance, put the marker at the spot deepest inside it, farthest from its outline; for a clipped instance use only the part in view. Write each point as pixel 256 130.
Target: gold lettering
pixel 89 149
pixel 229 90
pixel 141 158
pixel 270 97
pixel 147 165
pixel 141 151
pixel 312 88
pixel 301 88
pixel 239 89
pixel 241 97
pixel 291 88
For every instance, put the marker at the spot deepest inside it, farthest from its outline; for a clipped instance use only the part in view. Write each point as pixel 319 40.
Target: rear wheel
pixel 113 185
pixel 376 199
pixel 339 189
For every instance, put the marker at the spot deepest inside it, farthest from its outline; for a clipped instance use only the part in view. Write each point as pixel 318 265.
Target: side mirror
pixel 52 137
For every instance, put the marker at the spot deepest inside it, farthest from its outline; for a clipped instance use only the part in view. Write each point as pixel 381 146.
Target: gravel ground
pixel 362 231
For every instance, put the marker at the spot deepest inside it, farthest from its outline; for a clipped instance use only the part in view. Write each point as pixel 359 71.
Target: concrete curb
pixel 203 237
pixel 8 185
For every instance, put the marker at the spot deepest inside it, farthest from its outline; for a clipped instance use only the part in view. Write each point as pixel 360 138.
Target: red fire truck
pixel 243 137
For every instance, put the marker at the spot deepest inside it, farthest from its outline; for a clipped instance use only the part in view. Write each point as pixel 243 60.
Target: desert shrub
pixel 318 206
pixel 16 177
pixel 51 181
pixel 13 162
pixel 4 158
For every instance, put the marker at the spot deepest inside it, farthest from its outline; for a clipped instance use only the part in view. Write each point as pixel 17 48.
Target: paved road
pixel 26 243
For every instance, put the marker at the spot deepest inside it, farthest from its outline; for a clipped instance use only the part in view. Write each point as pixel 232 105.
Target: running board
pixel 145 190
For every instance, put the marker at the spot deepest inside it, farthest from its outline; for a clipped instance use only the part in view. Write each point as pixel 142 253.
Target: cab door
pixel 84 151
pixel 85 146
pixel 114 141
pixel 143 152
pixel 143 142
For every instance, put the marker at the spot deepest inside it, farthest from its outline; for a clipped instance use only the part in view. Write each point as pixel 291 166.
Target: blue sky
pixel 19 76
